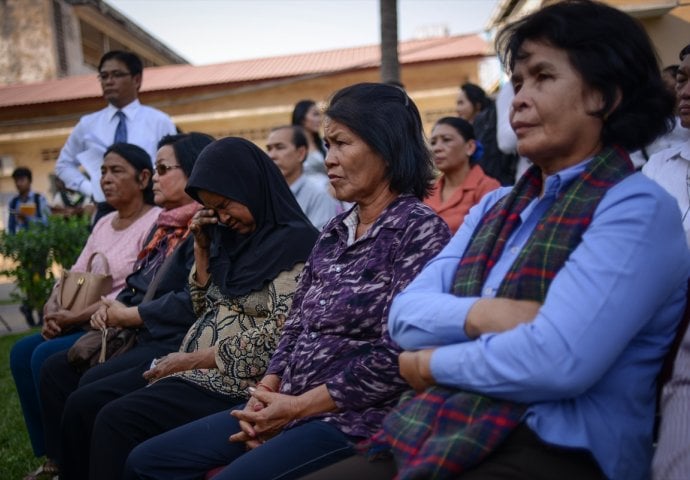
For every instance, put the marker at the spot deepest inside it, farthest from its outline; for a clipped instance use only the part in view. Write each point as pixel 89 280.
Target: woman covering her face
pixel 334 374
pixel 251 241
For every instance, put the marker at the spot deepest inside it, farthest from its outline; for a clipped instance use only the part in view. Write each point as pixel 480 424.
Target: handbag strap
pixel 106 265
pixel 104 341
pixel 80 282
pixel 153 286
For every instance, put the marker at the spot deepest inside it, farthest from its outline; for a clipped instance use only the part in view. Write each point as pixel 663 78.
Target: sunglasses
pixel 162 169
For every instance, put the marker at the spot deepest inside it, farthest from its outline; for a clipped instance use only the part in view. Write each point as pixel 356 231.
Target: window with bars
pixel 430 116
pixel 95 43
pixel 50 154
pixel 256 135
pixel 92 44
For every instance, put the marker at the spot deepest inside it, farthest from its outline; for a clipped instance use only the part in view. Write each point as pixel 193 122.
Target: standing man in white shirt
pixel 287 146
pixel 670 168
pixel 123 120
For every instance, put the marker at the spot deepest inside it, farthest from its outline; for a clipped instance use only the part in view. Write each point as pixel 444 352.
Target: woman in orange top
pixel 463 182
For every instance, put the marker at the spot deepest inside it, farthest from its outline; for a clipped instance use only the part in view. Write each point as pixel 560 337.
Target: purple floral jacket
pixel 336 333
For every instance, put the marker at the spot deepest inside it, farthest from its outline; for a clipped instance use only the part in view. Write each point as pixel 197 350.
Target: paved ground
pixel 11 319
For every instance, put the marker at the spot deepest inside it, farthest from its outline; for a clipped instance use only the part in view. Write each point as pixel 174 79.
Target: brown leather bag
pixel 97 346
pixel 78 290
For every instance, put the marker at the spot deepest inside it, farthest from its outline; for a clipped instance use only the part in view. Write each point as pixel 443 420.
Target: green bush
pixel 37 248
pixel 16 456
pixel 68 236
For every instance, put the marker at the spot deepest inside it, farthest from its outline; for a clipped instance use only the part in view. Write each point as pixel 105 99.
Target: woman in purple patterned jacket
pixel 335 373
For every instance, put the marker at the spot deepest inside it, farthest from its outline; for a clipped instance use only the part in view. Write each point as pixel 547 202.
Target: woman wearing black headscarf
pixel 251 241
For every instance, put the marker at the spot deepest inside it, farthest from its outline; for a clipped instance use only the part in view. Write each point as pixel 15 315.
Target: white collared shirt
pixel 95 133
pixel 314 200
pixel 675 138
pixel 670 168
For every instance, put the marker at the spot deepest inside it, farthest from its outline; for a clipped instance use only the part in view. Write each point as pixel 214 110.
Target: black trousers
pixel 523 456
pixel 124 423
pixel 71 401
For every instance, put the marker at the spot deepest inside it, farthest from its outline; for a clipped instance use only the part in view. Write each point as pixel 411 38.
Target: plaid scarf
pixel 443 432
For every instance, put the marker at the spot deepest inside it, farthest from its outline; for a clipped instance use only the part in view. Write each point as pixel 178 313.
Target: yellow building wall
pixel 667 22
pixel 670 33
pixel 253 111
pixel 33 135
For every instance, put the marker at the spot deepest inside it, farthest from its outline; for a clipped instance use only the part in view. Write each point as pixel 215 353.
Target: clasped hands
pixel 55 321
pixel 111 313
pixel 264 416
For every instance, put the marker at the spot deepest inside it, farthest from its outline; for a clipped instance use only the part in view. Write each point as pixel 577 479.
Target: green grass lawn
pixel 16 456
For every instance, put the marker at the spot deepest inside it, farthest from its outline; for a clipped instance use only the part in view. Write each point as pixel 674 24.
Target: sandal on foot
pixel 47 470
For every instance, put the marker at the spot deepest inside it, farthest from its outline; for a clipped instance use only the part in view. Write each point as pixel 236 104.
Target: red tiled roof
pixel 184 76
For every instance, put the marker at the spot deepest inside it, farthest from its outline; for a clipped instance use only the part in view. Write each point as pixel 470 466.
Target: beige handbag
pixel 78 290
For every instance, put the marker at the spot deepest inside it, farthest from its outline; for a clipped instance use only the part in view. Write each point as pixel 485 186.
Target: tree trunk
pixel 390 67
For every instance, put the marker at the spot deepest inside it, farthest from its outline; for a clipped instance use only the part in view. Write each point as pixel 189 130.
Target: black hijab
pixel 237 169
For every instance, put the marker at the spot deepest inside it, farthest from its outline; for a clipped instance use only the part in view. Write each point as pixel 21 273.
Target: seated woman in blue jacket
pixel 557 299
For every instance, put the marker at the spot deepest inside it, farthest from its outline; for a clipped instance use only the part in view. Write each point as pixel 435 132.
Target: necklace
pixel 382 205
pixel 120 223
pixel 361 221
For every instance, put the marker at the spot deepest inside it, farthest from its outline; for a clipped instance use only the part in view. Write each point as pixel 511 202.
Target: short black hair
pixel 463 127
pixel 476 95
pixel 139 159
pixel 388 121
pixel 614 56
pixel 187 147
pixel 672 69
pixel 299 135
pixel 466 131
pixel 684 52
pixel 130 59
pixel 299 114
pixel 22 172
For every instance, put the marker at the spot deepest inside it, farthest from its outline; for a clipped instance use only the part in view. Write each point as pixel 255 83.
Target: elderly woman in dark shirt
pixel 334 374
